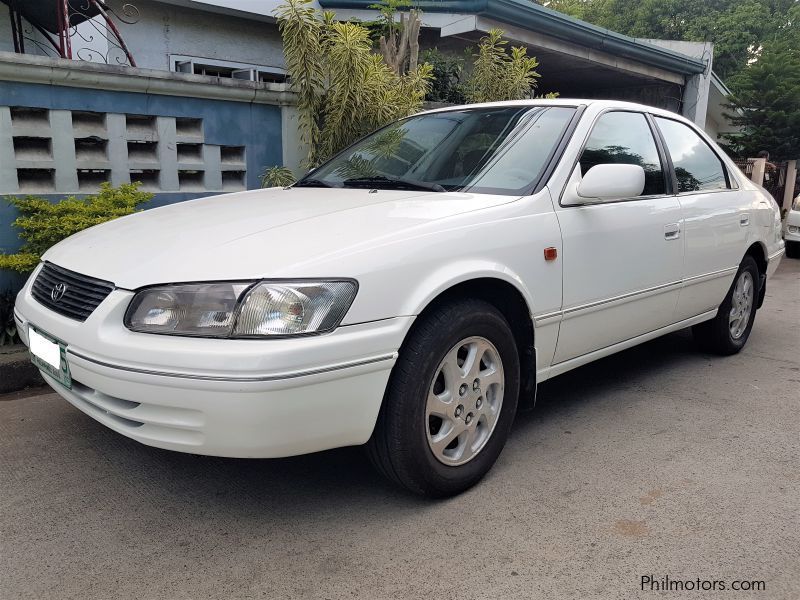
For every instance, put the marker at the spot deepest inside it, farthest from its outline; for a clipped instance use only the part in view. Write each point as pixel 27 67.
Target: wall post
pixel 759 168
pixel 791 176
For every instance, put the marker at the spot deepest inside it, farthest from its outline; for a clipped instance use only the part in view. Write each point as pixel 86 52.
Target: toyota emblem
pixel 58 292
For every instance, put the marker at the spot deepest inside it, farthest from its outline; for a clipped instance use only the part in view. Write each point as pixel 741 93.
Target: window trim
pixel 576 162
pixel 729 180
pixel 558 152
pixel 174 59
pixel 666 157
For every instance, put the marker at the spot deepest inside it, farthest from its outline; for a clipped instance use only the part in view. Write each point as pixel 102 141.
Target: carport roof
pixel 529 15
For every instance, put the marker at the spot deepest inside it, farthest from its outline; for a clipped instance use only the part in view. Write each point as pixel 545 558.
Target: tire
pixel 402 445
pixel 723 334
pixel 793 249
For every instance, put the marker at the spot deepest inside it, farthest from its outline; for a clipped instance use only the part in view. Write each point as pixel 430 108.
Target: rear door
pixel 717 218
pixel 622 260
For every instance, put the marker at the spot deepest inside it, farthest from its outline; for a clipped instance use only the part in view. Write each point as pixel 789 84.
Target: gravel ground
pixel 659 461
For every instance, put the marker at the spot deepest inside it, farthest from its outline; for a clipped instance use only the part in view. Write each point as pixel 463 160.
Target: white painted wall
pixel 6 43
pixel 696 92
pixel 251 7
pixel 165 29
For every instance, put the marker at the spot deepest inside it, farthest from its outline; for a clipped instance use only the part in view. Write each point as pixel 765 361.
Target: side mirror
pixel 604 182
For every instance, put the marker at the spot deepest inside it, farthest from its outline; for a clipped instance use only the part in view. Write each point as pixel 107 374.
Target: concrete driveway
pixel 660 461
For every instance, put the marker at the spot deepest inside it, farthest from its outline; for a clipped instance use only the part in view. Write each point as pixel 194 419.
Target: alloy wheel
pixel 741 304
pixel 464 401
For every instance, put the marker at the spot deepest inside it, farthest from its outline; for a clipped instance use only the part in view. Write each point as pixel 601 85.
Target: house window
pixel 226 69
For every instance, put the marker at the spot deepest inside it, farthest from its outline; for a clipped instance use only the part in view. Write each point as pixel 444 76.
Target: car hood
pixel 257 234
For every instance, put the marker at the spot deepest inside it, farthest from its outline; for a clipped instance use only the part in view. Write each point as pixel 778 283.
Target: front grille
pixel 81 294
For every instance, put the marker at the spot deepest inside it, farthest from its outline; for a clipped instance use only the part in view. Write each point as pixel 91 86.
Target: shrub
pixel 498 75
pixel 344 91
pixel 42 224
pixel 448 73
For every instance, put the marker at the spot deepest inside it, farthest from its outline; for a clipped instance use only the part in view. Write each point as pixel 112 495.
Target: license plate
pixel 50 356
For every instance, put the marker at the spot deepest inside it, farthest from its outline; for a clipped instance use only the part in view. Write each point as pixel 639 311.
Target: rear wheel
pixel 450 402
pixel 727 333
pixel 793 249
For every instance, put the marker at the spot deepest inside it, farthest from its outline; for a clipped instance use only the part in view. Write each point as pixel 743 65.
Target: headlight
pixel 242 309
pixel 292 308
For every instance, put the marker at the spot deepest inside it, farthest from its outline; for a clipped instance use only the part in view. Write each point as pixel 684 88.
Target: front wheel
pixel 450 402
pixel 793 249
pixel 727 333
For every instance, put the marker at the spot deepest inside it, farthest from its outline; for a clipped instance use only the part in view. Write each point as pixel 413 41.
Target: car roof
pixel 600 104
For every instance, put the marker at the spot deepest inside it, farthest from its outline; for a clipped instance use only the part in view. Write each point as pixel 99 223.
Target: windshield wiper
pixel 394 182
pixel 311 182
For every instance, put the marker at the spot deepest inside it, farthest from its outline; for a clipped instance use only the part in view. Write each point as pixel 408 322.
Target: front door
pixel 622 260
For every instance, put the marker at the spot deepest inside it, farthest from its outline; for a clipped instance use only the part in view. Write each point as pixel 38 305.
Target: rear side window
pixel 625 138
pixel 697 167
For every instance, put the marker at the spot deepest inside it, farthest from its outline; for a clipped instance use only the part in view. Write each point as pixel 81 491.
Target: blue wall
pixel 255 126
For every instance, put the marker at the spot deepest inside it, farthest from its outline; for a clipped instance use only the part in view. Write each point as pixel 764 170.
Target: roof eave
pixel 543 20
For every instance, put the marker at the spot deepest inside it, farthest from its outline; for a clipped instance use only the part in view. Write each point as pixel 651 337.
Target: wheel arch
pixel 512 303
pixel 759 254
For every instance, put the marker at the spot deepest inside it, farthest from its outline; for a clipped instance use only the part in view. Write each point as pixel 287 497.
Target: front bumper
pixel 236 398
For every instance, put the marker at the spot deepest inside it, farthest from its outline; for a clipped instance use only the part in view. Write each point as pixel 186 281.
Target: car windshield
pixel 496 150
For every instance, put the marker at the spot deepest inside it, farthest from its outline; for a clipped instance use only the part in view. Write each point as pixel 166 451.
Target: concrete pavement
pixel 658 461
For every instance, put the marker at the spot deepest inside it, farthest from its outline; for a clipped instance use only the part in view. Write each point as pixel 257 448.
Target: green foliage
pixel 766 95
pixel 448 77
pixel 498 75
pixel 22 262
pixel 738 28
pixel 344 90
pixel 277 177
pixel 8 327
pixel 43 224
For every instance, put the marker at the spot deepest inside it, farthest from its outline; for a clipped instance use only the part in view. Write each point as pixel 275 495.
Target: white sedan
pixel 409 294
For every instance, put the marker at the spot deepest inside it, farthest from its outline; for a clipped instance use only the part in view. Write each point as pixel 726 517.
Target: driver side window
pixel 625 138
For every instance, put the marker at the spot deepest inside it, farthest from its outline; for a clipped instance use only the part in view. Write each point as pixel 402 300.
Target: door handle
pixel 672 231
pixel 744 220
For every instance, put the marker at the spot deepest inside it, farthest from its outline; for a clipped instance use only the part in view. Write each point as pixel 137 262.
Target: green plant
pixel 344 90
pixel 498 75
pixel 8 327
pixel 277 177
pixel 737 28
pixel 42 224
pixel 448 74
pixel 765 102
